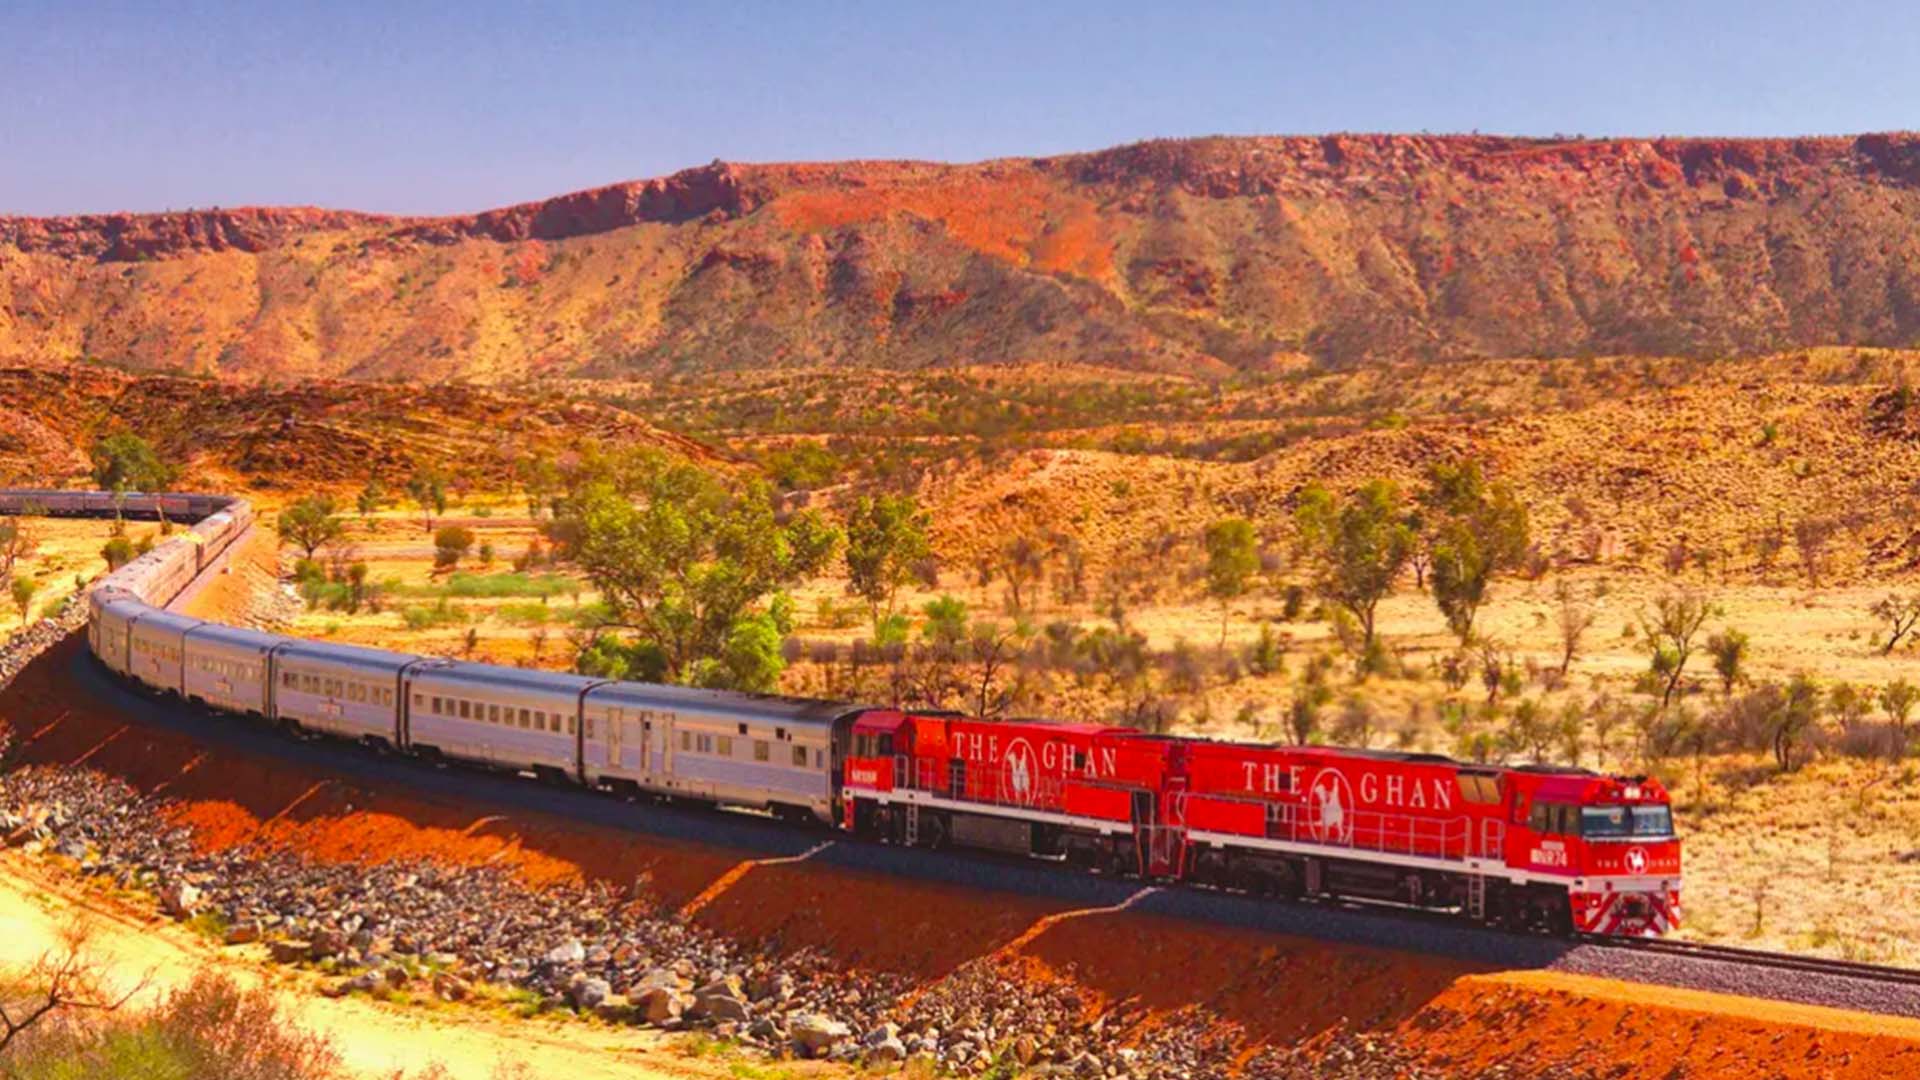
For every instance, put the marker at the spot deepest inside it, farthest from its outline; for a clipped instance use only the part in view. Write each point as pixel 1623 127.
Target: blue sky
pixel 416 108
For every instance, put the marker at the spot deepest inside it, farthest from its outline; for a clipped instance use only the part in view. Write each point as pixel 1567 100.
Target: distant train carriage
pixel 157 650
pixel 342 690
pixel 759 751
pixel 228 667
pixel 513 718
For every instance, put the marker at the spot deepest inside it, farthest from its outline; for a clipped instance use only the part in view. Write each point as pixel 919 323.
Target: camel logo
pixel 1637 860
pixel 1016 775
pixel 1330 808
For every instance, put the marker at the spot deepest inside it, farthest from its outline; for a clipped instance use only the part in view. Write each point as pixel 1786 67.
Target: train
pixel 1533 847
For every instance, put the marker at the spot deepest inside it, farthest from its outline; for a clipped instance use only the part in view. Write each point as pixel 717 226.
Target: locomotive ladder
pixel 913 824
pixel 1477 897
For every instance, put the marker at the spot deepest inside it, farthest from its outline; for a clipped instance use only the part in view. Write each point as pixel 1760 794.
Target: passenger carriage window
pixel 761 751
pixel 706 744
pixel 493 714
pixel 686 741
pixel 526 718
pixel 800 757
pixel 726 746
pixel 466 709
pixel 819 759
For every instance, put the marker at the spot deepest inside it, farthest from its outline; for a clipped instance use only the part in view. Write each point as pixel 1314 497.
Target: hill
pixel 1194 257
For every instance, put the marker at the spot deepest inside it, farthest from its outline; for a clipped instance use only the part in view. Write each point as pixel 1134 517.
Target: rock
pixel 614 1008
pixel 242 933
pixel 180 899
pixel 325 943
pixel 719 1008
pixel 815 1033
pixel 395 975
pixel 586 992
pixel 882 1034
pixel 290 952
pixel 568 952
pixel 887 1050
pixel 1024 1051
pixel 660 1004
pixel 766 1029
pixel 725 986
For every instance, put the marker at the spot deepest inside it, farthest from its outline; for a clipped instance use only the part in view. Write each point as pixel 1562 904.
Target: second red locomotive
pixel 1554 849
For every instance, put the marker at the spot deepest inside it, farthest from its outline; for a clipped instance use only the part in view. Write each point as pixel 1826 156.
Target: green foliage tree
pixel 310 524
pixel 1901 614
pixel 23 590
pixel 1794 714
pixel 118 551
pixel 1897 700
pixel 371 497
pixel 886 536
pixel 1669 629
pixel 1729 651
pixel 1233 558
pixel 688 563
pixel 451 544
pixel 1360 545
pixel 428 490
pixel 1479 530
pixel 125 462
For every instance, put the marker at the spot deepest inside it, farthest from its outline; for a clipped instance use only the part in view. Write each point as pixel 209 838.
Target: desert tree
pixel 428 490
pixel 1897 700
pixel 1574 616
pixel 1233 558
pixel 1669 629
pixel 693 568
pixel 1811 536
pixel 1310 696
pixel 23 590
pixel 1901 614
pixel 1478 530
pixel 1022 561
pixel 451 544
pixel 1794 713
pixel 372 496
pixel 62 982
pixel 123 462
pixel 886 538
pixel 1359 544
pixel 539 478
pixel 1728 648
pixel 310 524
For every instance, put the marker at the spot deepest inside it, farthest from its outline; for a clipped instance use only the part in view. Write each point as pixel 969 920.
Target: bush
pixel 118 552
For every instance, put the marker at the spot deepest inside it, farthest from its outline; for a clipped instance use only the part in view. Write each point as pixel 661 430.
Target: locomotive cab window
pixel 1626 822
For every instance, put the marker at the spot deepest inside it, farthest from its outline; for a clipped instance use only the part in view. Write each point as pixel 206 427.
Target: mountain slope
pixel 1194 256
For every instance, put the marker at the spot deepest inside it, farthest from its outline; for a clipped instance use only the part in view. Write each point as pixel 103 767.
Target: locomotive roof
pixel 792 710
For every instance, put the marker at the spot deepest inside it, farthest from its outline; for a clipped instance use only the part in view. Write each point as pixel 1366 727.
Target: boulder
pixel 816 1034
pixel 324 943
pixel 242 933
pixel 719 1008
pixel 449 987
pixel 887 1050
pixel 567 952
pixel 587 992
pixel 290 952
pixel 659 1004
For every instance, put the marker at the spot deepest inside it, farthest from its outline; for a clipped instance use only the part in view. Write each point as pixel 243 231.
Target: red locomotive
pixel 1560 850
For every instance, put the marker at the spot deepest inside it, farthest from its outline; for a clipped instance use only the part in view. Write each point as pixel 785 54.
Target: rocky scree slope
pixel 1204 255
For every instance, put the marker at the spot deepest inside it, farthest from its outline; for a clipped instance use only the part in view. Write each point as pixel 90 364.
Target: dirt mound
pixel 1201 255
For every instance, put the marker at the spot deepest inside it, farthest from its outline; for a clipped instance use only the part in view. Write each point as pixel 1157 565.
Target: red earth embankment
pixel 1254 987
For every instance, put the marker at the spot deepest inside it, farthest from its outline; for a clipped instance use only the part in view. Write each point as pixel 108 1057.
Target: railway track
pixel 1758 958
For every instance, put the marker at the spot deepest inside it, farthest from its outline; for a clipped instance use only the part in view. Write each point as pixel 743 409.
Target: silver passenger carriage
pixel 751 750
pixel 228 667
pixel 344 690
pixel 157 649
pixel 114 612
pixel 512 718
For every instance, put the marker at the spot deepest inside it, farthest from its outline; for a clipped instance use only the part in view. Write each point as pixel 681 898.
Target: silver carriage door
pixel 613 739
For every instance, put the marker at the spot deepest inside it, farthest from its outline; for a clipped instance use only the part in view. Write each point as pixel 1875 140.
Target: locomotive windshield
pixel 1626 821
